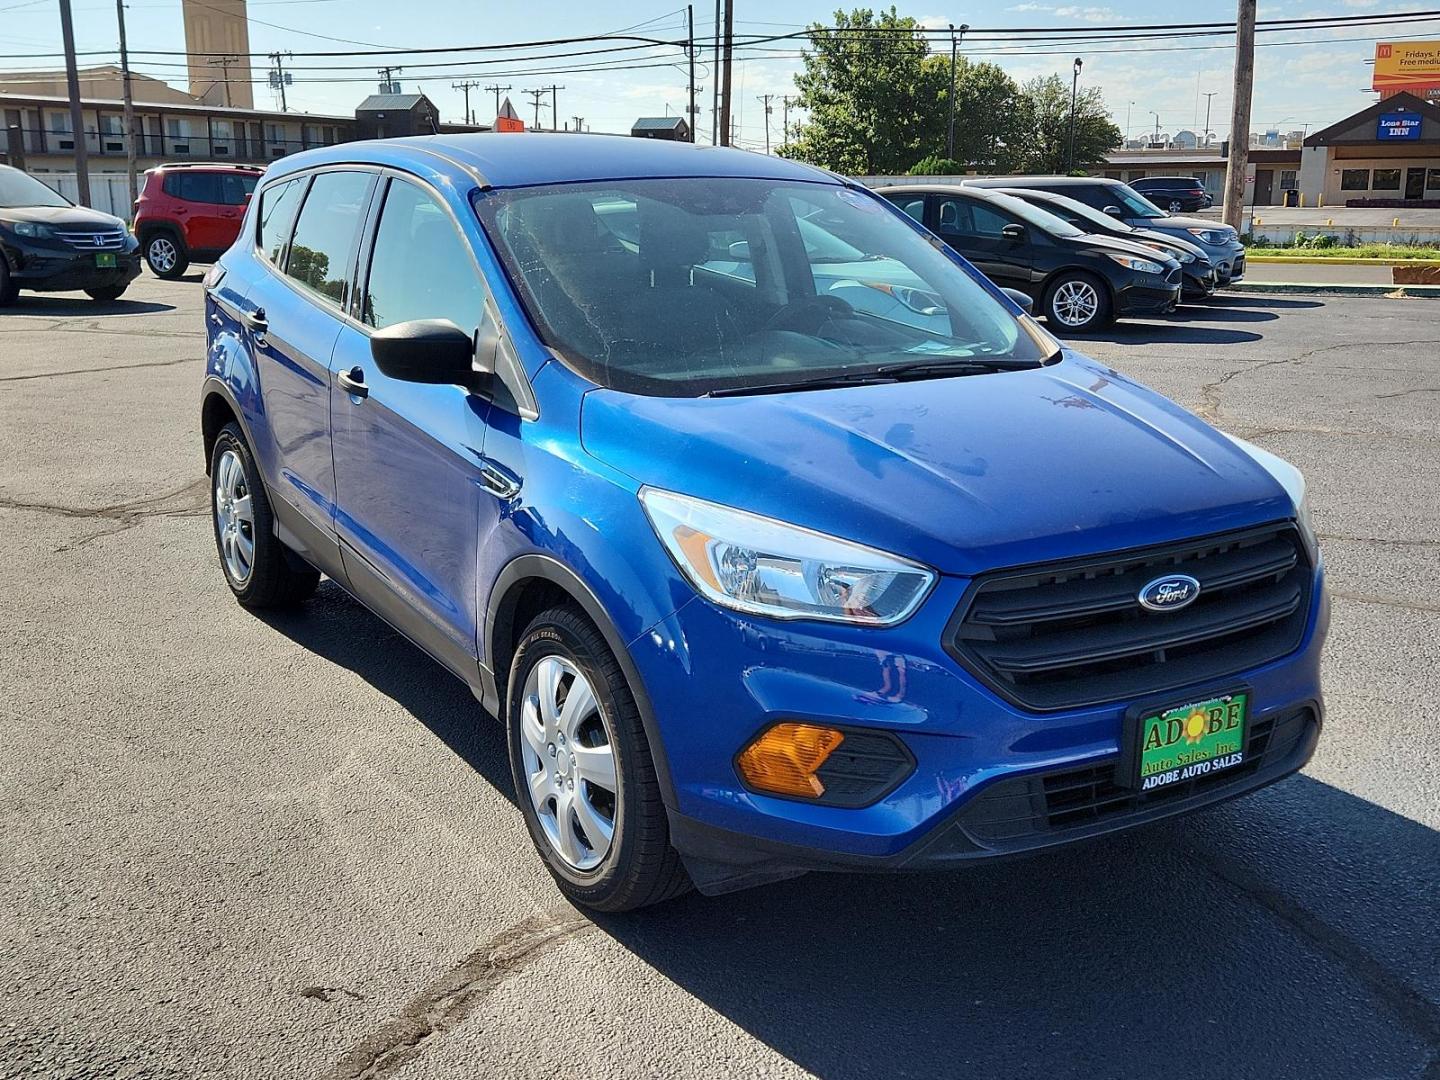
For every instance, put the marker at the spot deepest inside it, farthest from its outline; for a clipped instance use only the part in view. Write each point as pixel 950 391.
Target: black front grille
pixel 1038 809
pixel 1074 634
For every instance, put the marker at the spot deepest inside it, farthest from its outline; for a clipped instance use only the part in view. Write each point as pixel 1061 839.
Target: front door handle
pixel 353 382
pixel 255 322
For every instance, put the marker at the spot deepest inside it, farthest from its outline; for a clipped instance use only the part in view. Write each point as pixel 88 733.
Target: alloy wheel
pixel 1076 303
pixel 161 254
pixel 234 518
pixel 569 762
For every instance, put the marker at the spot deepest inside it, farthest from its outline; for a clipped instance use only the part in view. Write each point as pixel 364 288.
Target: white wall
pixel 109 192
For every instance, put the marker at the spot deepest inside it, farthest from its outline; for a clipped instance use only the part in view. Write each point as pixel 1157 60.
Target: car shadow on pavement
pixel 336 626
pixel 1176 332
pixel 1254 300
pixel 83 306
pixel 1290 934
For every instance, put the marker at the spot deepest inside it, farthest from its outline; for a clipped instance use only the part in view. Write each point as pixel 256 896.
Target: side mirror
pixel 1024 301
pixel 1013 232
pixel 1114 211
pixel 426 351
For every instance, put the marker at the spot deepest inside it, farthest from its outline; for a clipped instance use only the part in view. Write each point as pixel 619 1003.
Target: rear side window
pixel 277 213
pixel 200 187
pixel 421 266
pixel 323 246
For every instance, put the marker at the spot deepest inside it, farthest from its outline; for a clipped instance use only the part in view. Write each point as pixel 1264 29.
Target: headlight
pixel 1143 266
pixel 1185 257
pixel 1213 236
pixel 1292 480
pixel 766 567
pixel 32 229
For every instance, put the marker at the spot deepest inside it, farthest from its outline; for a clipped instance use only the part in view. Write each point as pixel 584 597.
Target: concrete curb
pixel 1316 260
pixel 1307 288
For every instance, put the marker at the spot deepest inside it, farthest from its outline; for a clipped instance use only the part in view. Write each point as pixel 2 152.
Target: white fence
pixel 109 192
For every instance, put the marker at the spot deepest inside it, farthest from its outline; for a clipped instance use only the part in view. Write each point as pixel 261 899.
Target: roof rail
pixel 209 165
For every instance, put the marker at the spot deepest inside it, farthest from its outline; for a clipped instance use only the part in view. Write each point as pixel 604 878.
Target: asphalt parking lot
pixel 286 847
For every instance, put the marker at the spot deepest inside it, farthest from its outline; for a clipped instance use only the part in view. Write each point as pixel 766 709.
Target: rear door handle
pixel 353 382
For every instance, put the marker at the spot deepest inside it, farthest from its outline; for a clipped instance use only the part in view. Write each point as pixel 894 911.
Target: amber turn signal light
pixel 783 760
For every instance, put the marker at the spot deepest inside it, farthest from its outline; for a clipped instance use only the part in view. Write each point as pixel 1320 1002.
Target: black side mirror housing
pixel 1024 301
pixel 1013 232
pixel 1114 211
pixel 434 351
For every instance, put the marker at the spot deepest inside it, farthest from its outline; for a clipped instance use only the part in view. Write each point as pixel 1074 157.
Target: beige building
pixel 217 38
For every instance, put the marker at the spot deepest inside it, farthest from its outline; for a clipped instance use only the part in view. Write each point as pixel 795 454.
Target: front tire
pixel 113 292
pixel 165 257
pixel 258 569
pixel 8 289
pixel 1077 302
pixel 583 773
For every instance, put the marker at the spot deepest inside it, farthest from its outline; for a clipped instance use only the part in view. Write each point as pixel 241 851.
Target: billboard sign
pixel 1398 125
pixel 1407 65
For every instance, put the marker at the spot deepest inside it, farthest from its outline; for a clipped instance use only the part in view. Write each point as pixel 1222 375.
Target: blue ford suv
pixel 778 537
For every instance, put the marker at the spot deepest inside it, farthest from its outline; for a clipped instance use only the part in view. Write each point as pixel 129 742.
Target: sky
pixel 1311 84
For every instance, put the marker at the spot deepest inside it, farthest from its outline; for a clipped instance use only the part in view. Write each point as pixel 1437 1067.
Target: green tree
pixel 862 94
pixel 1044 108
pixel 989 128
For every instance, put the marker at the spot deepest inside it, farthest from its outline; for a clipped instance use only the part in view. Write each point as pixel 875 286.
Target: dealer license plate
pixel 1191 741
pixel 105 261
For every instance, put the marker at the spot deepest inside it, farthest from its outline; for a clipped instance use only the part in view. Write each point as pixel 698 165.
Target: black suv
pixel 1080 280
pixel 1178 194
pixel 48 244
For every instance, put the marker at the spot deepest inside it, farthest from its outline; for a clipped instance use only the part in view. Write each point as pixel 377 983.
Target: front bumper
pixel 1147 294
pixel 1198 285
pixel 972 751
pixel 56 267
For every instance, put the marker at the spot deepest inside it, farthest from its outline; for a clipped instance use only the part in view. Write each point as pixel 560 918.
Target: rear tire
pixel 165 256
pixel 257 567
pixel 114 292
pixel 1176 206
pixel 564 754
pixel 1077 302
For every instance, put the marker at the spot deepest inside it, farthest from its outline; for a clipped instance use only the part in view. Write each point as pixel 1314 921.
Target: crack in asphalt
pixel 1407 393
pixel 188 501
pixel 451 998
pixel 1412 1008
pixel 1382 601
pixel 1382 540
pixel 95 371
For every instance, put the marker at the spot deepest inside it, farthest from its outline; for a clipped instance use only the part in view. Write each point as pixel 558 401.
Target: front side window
pixel 421 266
pixel 324 242
pixel 278 204
pixel 693 285
pixel 1354 179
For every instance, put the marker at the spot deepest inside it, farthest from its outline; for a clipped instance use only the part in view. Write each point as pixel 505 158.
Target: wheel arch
pixel 148 231
pixel 218 408
pixel 527 586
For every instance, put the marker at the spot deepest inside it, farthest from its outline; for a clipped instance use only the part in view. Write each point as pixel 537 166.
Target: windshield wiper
pixel 968 365
pixel 887 373
pixel 824 382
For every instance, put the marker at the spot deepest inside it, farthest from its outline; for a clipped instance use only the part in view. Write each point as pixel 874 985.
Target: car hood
pixel 62 216
pixel 1108 242
pixel 1173 242
pixel 966 474
pixel 1180 222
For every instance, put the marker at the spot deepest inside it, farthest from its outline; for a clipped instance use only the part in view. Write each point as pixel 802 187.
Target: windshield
pixel 1074 211
pixel 1135 204
pixel 19 189
pixel 1034 215
pixel 686 286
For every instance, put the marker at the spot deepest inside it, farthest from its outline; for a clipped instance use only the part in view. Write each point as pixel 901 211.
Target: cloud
pixel 1079 12
pixel 1361 3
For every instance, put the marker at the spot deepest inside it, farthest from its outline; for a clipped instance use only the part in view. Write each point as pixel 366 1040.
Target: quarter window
pixel 1354 179
pixel 421 267
pixel 277 213
pixel 324 241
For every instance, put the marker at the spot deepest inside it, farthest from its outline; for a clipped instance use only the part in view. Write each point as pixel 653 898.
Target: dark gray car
pixel 1218 240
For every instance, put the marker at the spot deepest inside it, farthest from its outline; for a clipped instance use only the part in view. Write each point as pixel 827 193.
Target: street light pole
pixel 1156 137
pixel 1208 95
pixel 1074 98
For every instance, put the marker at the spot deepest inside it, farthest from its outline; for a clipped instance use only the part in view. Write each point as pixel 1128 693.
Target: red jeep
pixel 191 212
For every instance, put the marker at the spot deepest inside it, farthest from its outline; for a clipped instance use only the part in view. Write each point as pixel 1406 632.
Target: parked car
pixel 1199 273
pixel 757 581
pixel 1178 194
pixel 1220 241
pixel 1079 280
pixel 48 244
pixel 191 212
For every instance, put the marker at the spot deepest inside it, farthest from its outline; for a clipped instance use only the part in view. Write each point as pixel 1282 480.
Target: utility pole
pixel 690 21
pixel 1074 97
pixel 725 72
pixel 536 96
pixel 498 91
pixel 554 108
pixel 1208 95
pixel 387 79
pixel 280 79
pixel 785 103
pixel 1155 138
pixel 1240 114
pixel 579 123
pixel 223 63
pixel 77 118
pixel 765 100
pixel 129 99
pixel 715 84
pixel 950 125
pixel 466 87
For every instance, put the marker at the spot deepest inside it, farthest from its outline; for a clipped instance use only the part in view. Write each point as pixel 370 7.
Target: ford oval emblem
pixel 1170 593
